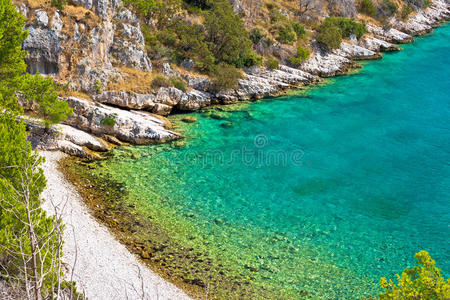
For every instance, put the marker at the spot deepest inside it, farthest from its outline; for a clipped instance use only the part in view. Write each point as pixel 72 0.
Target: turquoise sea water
pixel 324 192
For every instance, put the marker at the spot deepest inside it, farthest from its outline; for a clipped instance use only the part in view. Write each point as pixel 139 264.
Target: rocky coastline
pixel 137 118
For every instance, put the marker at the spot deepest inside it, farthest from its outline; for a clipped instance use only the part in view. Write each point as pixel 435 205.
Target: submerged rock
pixel 189 119
pixel 227 125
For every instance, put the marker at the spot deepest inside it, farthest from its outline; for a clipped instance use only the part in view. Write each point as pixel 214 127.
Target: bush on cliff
pixel 160 81
pixel 406 11
pixel 367 7
pixel 387 8
pixel 43 93
pixel 424 281
pixel 272 63
pixel 221 37
pixel 301 56
pixel 227 37
pixel 347 26
pixel 178 83
pixel 329 36
pixel 285 35
pixel 226 77
pixel 256 35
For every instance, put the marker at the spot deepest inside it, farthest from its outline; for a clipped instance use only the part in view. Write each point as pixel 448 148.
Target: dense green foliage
pixel 406 11
pixel 256 35
pixel 178 83
pixel 286 31
pixel 388 8
pixel 286 34
pixel 220 38
pixel 271 63
pixel 160 81
pixel 12 63
pixel 301 56
pixel 299 29
pixel 348 26
pixel 329 36
pixel 42 91
pixel 333 29
pixel 419 3
pixel 226 77
pixel 59 4
pixel 424 281
pixel 108 121
pixel 25 230
pixel 367 7
pixel 227 37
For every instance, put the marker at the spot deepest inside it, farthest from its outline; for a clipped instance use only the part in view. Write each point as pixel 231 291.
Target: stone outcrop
pixel 377 45
pixel 64 138
pixel 356 52
pixel 80 44
pixel 327 64
pixel 392 35
pixel 135 127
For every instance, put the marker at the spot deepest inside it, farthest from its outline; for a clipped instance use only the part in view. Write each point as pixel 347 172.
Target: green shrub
pixel 227 38
pixel 59 4
pixel 424 281
pixel 272 63
pixel 367 7
pixel 389 7
pixel 203 4
pixel 419 3
pixel 178 82
pixel 276 16
pixel 286 35
pixel 98 87
pixel 299 29
pixel 226 77
pixel 43 93
pixel 160 81
pixel 347 26
pixel 192 44
pixel 329 36
pixel 406 11
pixel 256 35
pixel 301 56
pixel 108 121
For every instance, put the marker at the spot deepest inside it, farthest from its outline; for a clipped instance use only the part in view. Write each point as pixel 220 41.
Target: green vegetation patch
pixel 333 29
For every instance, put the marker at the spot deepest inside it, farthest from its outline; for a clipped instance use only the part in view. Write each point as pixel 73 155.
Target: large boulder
pixel 135 127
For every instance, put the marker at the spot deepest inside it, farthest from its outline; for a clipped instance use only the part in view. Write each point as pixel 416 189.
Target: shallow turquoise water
pixel 354 175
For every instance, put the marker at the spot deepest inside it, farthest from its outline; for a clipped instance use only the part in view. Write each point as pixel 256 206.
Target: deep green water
pixel 323 192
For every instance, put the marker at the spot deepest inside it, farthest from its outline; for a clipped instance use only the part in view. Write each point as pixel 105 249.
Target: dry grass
pixel 33 4
pixel 133 80
pixel 82 14
pixel 76 94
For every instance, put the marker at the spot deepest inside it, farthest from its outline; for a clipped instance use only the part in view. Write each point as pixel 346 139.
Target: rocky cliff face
pixel 85 44
pixel 89 43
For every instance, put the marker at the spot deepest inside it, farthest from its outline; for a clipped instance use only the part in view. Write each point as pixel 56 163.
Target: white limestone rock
pixel 72 149
pixel 355 52
pixel 326 64
pixel 392 35
pixel 127 100
pixel 135 127
pixel 81 138
pixel 41 18
pixel 377 45
pixel 194 100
